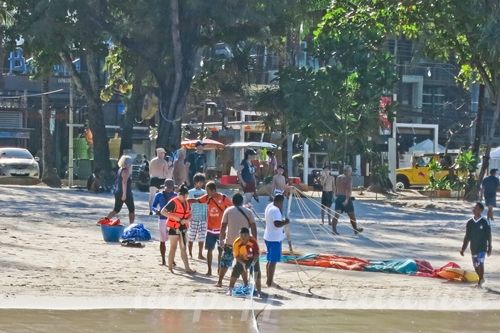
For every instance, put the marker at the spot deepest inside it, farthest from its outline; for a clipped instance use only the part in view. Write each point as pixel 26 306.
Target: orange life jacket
pixel 181 211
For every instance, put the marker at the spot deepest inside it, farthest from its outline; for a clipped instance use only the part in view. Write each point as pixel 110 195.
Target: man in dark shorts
pixel 478 233
pixel 217 203
pixel 344 203
pixel 489 188
pixel 327 182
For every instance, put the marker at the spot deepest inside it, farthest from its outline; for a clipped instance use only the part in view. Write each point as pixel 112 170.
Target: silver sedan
pixel 17 166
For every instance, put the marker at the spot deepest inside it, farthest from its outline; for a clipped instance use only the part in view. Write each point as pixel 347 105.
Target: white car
pixel 17 165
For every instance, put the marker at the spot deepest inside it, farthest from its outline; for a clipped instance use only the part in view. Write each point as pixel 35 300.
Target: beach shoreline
pixel 55 258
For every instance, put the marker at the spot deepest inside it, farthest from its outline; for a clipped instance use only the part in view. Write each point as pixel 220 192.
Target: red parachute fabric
pixel 425 269
pixel 333 261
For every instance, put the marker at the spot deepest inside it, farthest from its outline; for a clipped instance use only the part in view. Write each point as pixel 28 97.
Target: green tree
pixel 169 34
pixel 467 32
pixel 66 30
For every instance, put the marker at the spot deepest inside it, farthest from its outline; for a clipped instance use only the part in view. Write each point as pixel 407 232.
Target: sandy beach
pixel 54 257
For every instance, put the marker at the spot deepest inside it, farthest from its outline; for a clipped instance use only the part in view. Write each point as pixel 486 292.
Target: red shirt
pixel 216 205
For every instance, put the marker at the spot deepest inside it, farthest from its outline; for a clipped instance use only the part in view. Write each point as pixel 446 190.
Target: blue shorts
pixel 211 241
pixel 273 251
pixel 478 259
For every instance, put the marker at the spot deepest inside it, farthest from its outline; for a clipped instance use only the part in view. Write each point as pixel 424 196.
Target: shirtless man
pixel 158 171
pixel 343 203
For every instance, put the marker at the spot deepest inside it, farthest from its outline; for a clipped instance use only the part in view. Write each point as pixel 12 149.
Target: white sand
pixel 53 256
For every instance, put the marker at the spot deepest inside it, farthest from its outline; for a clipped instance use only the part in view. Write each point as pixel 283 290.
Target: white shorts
pixel 162 227
pixel 197 231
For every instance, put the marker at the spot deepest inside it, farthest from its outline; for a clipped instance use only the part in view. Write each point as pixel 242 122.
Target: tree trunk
pixel 90 88
pixel 174 87
pixel 473 193
pixel 473 185
pixel 134 109
pixel 49 176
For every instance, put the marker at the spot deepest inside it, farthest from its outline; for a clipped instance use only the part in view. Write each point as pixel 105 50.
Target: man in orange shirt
pixel 216 205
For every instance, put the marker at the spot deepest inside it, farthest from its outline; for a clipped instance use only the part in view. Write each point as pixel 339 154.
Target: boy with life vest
pixel 478 233
pixel 246 252
pixel 160 200
pixel 216 205
pixel 178 214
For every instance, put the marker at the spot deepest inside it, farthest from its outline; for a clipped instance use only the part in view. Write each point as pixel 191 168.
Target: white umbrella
pixel 252 144
pixel 426 146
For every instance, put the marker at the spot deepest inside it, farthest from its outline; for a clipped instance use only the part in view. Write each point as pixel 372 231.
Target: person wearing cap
pixel 246 176
pixel 489 188
pixel 327 181
pixel 196 162
pixel 158 172
pixel 161 199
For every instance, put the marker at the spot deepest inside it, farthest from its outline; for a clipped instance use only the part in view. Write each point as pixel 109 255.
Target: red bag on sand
pixel 106 221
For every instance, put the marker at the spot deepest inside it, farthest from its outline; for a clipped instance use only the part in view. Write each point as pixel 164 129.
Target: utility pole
pixel 70 136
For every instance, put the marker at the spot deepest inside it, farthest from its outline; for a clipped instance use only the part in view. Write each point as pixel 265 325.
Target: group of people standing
pixel 190 210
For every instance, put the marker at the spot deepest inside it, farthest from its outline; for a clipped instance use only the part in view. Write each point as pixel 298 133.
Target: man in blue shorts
pixel 274 235
pixel 489 187
pixel 478 233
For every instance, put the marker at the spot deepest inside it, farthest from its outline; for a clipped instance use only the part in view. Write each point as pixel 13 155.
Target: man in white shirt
pixel 274 235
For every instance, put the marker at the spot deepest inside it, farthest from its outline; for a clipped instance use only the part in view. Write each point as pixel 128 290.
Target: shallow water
pixel 318 321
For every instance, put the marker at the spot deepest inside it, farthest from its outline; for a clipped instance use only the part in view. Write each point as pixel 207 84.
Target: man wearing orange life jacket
pixel 178 214
pixel 216 205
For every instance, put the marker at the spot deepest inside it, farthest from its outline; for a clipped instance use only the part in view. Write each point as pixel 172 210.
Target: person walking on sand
pixel 123 189
pixel 161 199
pixel 274 235
pixel 198 226
pixel 478 234
pixel 344 201
pixel 327 181
pixel 178 214
pixel 158 172
pixel 234 218
pixel 246 176
pixel 179 173
pixel 216 206
pixel 246 252
pixel 489 188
